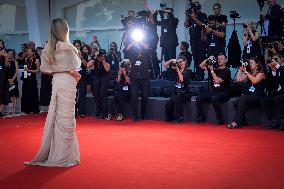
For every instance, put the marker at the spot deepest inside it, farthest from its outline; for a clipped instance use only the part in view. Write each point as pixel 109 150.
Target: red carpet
pixel 146 155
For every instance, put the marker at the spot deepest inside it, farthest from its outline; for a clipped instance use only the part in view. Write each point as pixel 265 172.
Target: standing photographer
pixel 216 37
pixel 168 39
pixel 255 79
pixel 251 42
pixel 114 58
pixel 139 56
pixel 272 20
pixel 273 104
pixel 100 82
pixel 222 19
pixel 194 21
pixel 181 91
pixel 220 77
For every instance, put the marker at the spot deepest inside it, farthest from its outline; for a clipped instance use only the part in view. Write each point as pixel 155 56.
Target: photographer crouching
pixel 220 77
pixel 253 74
pixel 139 55
pixel 101 80
pixel 273 104
pixel 181 92
pixel 122 92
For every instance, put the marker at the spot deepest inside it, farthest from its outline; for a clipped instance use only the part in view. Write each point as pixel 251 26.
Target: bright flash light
pixel 137 35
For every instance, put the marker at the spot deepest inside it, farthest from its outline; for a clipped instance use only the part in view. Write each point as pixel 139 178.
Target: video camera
pixel 193 7
pixel 234 14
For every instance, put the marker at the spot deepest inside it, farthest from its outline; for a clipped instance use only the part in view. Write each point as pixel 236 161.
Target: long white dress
pixel 59 147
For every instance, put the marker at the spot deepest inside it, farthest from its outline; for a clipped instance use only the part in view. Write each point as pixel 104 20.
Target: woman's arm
pixel 106 65
pixel 255 79
pixel 253 36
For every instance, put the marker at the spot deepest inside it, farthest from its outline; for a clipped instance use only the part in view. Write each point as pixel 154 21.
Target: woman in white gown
pixel 59 147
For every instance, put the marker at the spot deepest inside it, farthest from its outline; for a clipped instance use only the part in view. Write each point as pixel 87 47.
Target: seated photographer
pixel 216 37
pixel 139 75
pixel 272 20
pixel 121 94
pixel 114 58
pixel 255 90
pixel 223 20
pixel 273 104
pixel 100 82
pixel 181 92
pixel 220 77
pixel 184 52
pixel 251 42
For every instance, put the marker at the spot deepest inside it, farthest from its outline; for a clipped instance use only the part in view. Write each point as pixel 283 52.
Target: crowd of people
pixel 261 68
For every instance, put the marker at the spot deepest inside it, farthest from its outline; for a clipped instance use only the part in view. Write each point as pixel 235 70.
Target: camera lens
pixel 245 26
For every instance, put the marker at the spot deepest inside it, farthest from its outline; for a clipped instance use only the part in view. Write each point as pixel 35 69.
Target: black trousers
pixel 199 54
pixel 81 95
pixel 155 67
pixel 216 99
pixel 118 103
pixel 244 103
pixel 136 86
pixel 100 92
pixel 273 107
pixel 176 105
pixel 169 51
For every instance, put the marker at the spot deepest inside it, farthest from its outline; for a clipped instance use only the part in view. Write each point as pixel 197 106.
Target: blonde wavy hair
pixel 59 31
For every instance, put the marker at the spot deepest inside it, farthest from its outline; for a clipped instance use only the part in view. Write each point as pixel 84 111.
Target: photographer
pixel 275 98
pixel 153 40
pixel 121 94
pixel 139 56
pixel 100 82
pixel 216 37
pixel 255 80
pixel 272 20
pixel 168 39
pixel 194 21
pixel 251 42
pixel 222 19
pixel 181 91
pixel 114 58
pixel 220 77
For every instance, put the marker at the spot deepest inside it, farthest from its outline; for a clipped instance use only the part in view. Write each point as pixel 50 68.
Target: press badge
pixel 125 88
pixel 138 63
pixel 252 89
pixel 216 85
pixel 279 88
pixel 212 45
pixel 1 67
pixel 112 62
pixel 178 85
pixel 165 30
pixel 249 46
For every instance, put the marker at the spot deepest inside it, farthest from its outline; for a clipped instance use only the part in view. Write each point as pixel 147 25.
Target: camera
pixel 234 14
pixel 143 13
pixel 270 60
pixel 245 26
pixel 193 7
pixel 102 52
pixel 211 61
pixel 244 63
